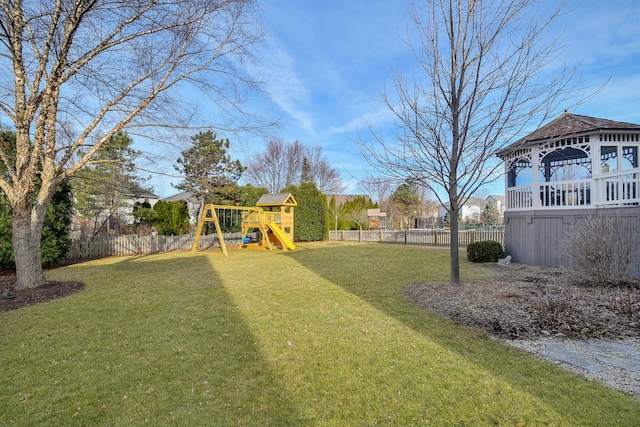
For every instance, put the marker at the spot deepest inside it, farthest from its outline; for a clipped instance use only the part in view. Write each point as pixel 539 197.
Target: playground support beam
pixel 214 217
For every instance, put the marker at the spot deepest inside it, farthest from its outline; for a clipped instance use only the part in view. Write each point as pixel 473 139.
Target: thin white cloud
pixel 287 90
pixel 383 117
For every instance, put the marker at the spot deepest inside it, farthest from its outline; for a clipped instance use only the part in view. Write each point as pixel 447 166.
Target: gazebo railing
pixel 612 189
pixel 565 194
pixel 619 189
pixel 520 197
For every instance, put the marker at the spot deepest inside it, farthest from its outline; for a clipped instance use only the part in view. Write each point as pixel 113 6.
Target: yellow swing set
pixel 272 217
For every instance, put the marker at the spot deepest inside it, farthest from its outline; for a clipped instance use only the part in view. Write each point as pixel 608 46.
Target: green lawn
pixel 317 337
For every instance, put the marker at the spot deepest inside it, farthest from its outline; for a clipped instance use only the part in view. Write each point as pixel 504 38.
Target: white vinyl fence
pixel 418 237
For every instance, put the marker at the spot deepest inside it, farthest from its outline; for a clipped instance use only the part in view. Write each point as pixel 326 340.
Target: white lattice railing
pixel 619 189
pixel 565 194
pixel 520 197
pixel 614 189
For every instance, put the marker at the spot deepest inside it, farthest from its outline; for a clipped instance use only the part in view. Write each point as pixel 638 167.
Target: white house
pixel 470 211
pixel 109 220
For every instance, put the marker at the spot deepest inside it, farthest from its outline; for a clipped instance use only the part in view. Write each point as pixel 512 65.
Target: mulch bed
pixel 50 291
pixel 526 302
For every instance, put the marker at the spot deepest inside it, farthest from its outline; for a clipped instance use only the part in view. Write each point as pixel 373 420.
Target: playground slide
pixel 281 236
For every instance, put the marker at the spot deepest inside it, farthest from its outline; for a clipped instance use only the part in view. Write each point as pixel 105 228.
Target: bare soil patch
pixel 519 302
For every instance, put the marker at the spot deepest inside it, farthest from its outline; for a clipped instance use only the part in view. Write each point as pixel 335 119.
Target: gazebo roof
pixel 567 124
pixel 279 199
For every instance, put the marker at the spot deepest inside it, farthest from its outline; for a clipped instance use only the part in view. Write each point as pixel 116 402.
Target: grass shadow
pixel 135 348
pixel 377 274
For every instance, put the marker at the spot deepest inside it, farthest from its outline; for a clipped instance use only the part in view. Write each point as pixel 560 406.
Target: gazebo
pixel 561 172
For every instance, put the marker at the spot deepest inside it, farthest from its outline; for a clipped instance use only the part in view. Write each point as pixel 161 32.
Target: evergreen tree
pixel 490 215
pixel 55 229
pixel 248 195
pixel 310 214
pixel 209 173
pixel 105 184
pixel 171 218
pixel 356 213
pixel 306 171
pixel 406 203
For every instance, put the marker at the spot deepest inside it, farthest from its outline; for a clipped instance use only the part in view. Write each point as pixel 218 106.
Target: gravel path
pixel 591 329
pixel 613 363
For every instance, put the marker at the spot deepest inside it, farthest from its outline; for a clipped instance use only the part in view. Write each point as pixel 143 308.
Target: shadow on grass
pixel 136 348
pixel 380 283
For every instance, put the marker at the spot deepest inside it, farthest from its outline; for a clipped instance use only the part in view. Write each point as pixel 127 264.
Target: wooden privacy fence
pixel 99 246
pixel 417 237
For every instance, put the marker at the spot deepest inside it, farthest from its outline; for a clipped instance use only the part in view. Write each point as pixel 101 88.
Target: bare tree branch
pixel 482 81
pixel 77 72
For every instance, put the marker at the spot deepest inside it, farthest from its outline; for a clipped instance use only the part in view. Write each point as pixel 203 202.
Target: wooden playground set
pixel 272 217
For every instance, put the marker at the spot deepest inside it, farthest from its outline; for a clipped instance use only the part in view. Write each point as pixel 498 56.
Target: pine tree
pixel 105 185
pixel 209 173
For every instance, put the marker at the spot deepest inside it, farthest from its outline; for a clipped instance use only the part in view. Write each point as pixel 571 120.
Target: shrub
pixel 55 230
pixel 310 214
pixel 603 246
pixel 488 251
pixel 171 218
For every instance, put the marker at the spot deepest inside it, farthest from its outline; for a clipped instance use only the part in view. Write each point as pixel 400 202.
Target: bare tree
pixel 480 84
pixel 326 177
pixel 282 164
pixel 77 72
pixel 274 169
pixel 603 245
pixel 377 188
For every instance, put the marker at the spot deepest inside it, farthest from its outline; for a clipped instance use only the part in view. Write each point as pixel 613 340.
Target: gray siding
pixel 537 237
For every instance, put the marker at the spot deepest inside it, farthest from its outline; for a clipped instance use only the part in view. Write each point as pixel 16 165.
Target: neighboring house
pixel 471 211
pixel 193 204
pixel 125 211
pixel 561 173
pixel 498 202
pixel 109 221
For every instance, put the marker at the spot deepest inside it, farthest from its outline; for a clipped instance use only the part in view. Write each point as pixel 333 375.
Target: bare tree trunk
pixel 483 79
pixel 453 248
pixel 26 248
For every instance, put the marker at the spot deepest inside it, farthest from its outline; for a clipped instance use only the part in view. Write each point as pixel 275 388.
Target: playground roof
pixel 279 199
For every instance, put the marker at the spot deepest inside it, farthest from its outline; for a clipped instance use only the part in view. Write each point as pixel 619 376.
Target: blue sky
pixel 326 63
